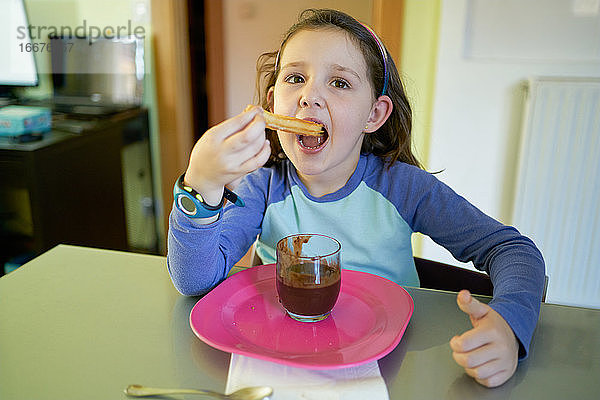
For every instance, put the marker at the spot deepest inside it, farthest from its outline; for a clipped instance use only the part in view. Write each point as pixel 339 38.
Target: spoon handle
pixel 143 391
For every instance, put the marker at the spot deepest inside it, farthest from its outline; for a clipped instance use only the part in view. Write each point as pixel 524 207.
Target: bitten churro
pixel 291 124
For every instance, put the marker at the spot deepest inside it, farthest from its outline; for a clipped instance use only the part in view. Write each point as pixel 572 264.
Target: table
pixel 78 323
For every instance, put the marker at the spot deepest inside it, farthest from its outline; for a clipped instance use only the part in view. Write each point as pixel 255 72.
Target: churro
pixel 291 124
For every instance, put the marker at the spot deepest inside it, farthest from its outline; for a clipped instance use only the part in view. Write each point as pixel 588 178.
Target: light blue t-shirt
pixel 374 236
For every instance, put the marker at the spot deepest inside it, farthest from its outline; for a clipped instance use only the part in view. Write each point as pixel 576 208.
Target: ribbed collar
pixel 344 191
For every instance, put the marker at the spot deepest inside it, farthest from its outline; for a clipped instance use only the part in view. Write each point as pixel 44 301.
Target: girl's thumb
pixel 471 305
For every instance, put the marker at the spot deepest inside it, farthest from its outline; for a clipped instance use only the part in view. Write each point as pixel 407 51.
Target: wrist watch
pixel 191 202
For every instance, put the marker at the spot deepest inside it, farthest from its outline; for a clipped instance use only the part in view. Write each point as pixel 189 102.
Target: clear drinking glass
pixel 308 275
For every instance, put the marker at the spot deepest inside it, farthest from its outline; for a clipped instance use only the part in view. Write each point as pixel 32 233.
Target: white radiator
pixel 557 201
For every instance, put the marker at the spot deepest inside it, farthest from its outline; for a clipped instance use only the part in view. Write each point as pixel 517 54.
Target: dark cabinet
pixel 69 187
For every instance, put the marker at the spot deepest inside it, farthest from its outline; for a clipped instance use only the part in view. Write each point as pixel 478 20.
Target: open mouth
pixel 313 142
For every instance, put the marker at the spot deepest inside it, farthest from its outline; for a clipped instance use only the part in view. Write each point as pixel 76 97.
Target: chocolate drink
pixel 299 294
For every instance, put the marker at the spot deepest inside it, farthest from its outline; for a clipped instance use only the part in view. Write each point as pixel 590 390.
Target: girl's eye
pixel 294 79
pixel 340 84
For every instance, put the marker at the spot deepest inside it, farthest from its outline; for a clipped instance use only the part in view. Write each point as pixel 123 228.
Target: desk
pixel 72 184
pixel 81 323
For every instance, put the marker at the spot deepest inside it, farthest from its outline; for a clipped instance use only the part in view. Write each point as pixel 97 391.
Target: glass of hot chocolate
pixel 308 275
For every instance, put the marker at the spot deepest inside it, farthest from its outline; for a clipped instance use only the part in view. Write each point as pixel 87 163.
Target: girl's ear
pixel 380 112
pixel 270 98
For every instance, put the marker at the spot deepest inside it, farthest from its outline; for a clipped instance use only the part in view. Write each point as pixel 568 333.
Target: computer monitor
pixel 98 71
pixel 18 67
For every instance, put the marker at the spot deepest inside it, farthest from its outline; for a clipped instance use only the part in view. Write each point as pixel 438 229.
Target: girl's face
pixel 323 78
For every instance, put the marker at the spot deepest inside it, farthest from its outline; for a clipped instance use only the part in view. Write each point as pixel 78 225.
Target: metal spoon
pixel 249 393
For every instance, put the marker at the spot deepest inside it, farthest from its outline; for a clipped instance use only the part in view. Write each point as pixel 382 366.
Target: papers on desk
pixel 290 383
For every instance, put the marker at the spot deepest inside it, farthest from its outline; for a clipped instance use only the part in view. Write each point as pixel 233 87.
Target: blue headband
pixel 383 56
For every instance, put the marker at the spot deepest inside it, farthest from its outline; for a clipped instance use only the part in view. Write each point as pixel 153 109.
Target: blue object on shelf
pixel 20 120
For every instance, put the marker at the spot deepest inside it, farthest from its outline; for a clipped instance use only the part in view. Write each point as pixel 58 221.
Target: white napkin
pixel 360 382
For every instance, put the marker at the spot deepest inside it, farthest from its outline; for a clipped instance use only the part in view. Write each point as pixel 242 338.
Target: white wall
pixel 475 127
pixel 253 27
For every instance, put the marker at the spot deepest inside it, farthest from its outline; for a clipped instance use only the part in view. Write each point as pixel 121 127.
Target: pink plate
pixel 243 315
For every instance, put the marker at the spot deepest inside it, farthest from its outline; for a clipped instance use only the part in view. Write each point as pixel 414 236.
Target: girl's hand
pixel 227 152
pixel 489 351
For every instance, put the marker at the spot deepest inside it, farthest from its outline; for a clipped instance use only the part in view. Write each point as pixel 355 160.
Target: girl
pixel 359 183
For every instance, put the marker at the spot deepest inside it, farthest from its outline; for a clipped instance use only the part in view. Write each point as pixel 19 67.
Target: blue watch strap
pixel 191 203
pixel 234 198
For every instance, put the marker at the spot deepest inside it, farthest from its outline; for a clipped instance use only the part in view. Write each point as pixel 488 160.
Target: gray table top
pixel 81 323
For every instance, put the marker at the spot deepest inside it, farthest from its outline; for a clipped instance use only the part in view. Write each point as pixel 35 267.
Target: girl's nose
pixel 311 98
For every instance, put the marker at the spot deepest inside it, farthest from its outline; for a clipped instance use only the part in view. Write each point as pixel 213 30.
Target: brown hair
pixel 392 141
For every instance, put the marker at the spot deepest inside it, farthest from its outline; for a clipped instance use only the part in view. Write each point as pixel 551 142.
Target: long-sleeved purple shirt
pixel 373 216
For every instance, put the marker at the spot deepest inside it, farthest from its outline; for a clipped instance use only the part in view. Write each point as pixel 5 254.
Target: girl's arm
pixel 514 263
pixel 200 256
pixel 502 330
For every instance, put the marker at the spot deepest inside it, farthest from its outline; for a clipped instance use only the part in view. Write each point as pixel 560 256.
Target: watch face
pixel 186 205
